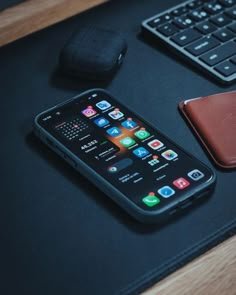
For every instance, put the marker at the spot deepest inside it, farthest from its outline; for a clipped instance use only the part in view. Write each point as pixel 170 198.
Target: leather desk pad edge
pixel 160 272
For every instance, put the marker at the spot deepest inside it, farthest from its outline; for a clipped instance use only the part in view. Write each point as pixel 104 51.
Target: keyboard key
pixel 159 20
pixel 183 22
pixel 223 35
pixel 233 59
pixel 156 22
pixel 206 27
pixel 219 54
pixel 179 11
pixel 231 13
pixel 198 15
pixel 166 17
pixel 226 68
pixel 194 4
pixel 227 3
pixel 186 37
pixel 202 45
pixel 213 8
pixel 232 27
pixel 221 20
pixel 168 29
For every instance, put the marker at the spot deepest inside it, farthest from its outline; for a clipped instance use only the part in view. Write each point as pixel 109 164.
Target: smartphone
pixel 132 162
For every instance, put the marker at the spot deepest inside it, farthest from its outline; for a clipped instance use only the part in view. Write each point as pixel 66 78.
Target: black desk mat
pixel 8 3
pixel 60 234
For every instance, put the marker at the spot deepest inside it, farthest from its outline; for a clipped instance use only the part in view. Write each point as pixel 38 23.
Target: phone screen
pixel 121 147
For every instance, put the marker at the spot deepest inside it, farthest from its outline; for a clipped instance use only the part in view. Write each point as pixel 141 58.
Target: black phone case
pixel 59 234
pixel 187 201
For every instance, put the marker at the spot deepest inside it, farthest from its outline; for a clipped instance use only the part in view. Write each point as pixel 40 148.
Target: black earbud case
pixel 93 53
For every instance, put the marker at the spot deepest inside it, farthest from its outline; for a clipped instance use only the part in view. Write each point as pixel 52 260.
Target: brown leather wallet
pixel 213 118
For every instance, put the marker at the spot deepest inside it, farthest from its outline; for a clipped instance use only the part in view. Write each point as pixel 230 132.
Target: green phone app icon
pixel 142 134
pixel 151 200
pixel 127 141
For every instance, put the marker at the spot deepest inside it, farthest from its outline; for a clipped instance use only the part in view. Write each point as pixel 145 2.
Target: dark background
pixel 59 233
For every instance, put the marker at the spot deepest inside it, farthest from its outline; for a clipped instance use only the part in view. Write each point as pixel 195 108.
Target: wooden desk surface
pixel 212 273
pixel 33 15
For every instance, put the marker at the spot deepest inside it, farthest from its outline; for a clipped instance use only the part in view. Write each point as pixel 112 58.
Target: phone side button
pixel 69 160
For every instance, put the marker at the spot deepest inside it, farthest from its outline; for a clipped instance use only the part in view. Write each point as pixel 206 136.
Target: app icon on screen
pixel 166 191
pixel 89 112
pixel 114 131
pixel 181 183
pixel 112 169
pixel 116 114
pixel 101 122
pixel 129 124
pixel 103 105
pixel 141 152
pixel 195 174
pixel 151 200
pixel 127 141
pixel 154 161
pixel 155 144
pixel 169 155
pixel 142 133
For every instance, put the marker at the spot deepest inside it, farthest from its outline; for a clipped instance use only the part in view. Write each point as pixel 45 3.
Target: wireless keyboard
pixel 203 32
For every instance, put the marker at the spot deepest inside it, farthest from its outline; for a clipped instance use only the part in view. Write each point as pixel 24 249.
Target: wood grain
pixel 213 273
pixel 32 15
